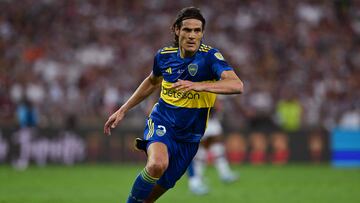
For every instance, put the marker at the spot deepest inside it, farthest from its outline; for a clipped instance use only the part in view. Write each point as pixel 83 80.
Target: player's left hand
pixel 186 85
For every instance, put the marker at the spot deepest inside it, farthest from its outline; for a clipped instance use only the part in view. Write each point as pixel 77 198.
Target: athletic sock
pixel 221 163
pixel 142 187
pixel 199 162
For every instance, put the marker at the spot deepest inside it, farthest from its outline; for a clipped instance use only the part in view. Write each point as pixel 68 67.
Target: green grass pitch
pixel 112 183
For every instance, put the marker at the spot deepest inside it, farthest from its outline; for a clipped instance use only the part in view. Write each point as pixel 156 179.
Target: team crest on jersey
pixel 192 68
pixel 161 130
pixel 219 56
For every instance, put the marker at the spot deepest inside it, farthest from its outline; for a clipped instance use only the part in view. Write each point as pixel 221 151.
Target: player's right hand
pixel 112 122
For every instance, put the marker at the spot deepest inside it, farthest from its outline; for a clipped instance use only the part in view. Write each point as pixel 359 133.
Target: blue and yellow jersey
pixel 186 113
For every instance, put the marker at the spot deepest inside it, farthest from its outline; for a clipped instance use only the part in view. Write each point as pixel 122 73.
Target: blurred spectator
pixel 316 144
pixel 350 119
pixel 27 120
pixel 236 147
pixel 280 148
pixel 4 148
pixel 86 56
pixel 289 112
pixel 27 114
pixel 259 145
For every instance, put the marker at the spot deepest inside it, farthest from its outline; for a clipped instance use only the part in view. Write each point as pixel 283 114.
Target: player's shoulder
pixel 168 50
pixel 210 51
pixel 205 48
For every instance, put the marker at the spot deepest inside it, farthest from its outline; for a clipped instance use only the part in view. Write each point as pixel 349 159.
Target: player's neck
pixel 186 54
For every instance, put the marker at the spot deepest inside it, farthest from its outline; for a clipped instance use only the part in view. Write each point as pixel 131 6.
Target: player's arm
pixel 147 87
pixel 229 83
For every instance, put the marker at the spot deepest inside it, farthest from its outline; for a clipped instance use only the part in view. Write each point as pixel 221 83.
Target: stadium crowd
pixel 297 58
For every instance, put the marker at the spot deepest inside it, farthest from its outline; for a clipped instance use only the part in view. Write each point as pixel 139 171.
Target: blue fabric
pixel 190 171
pixel 346 155
pixel 206 64
pixel 27 116
pixel 140 191
pixel 182 127
pixel 180 153
pixel 209 66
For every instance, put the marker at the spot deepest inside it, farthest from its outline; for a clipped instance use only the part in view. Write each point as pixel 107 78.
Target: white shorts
pixel 213 128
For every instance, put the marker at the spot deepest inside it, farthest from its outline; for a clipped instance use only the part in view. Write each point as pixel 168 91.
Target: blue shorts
pixel 180 153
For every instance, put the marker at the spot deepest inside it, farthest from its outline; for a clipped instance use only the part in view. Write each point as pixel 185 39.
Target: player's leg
pixel 196 173
pixel 200 161
pixel 156 192
pixel 217 149
pixel 156 165
pixel 180 159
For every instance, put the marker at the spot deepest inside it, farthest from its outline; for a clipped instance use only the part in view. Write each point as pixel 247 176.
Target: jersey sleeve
pixel 156 68
pixel 218 63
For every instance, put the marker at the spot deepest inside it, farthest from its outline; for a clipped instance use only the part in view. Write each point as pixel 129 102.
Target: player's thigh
pixel 158 154
pixel 178 164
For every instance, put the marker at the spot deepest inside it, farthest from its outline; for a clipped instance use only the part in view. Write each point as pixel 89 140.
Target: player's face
pixel 190 35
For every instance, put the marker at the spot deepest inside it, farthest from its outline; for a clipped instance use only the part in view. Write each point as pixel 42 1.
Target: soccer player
pixel 190 74
pixel 211 142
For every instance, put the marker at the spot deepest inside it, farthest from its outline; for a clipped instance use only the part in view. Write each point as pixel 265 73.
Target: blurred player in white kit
pixel 211 143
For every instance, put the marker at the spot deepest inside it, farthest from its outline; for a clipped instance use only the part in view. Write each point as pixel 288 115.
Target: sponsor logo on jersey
pixel 190 99
pixel 177 94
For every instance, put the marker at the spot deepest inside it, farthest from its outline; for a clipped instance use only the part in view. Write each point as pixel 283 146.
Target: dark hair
pixel 184 14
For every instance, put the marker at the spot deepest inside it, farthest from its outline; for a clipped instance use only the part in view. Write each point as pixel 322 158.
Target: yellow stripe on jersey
pixel 168 52
pixel 204 48
pixel 169 48
pixel 191 99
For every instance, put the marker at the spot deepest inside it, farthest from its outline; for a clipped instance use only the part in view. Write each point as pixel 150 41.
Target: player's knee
pixel 157 167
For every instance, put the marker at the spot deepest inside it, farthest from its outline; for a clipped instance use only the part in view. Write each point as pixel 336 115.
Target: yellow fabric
pixel 191 99
pixel 290 115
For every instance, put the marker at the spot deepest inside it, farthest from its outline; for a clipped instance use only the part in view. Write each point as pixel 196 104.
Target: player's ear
pixel 177 30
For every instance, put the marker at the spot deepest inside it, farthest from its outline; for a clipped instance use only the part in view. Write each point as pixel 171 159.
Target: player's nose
pixel 192 35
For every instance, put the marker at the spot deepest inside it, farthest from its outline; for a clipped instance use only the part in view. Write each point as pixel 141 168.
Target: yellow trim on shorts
pixel 151 129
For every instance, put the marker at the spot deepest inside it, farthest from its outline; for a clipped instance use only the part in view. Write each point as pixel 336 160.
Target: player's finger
pixel 185 87
pixel 175 85
pixel 178 83
pixel 107 126
pixel 114 124
pixel 107 131
pixel 180 88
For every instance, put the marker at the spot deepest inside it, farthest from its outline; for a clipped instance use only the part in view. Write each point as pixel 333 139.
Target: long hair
pixel 184 14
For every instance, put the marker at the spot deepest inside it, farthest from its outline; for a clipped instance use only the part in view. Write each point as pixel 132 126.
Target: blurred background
pixel 65 66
